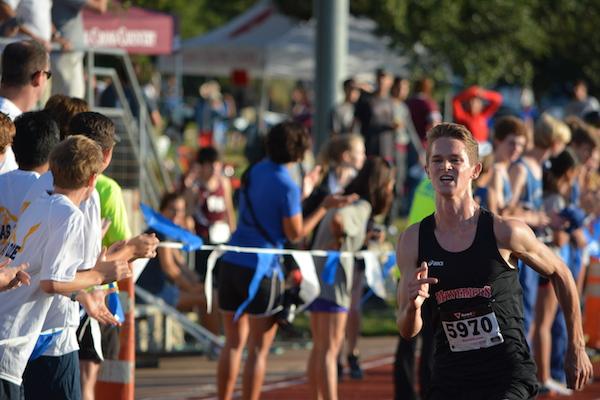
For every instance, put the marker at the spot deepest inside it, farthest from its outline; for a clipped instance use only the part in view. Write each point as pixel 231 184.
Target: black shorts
pixel 53 378
pixel 10 391
pixel 233 290
pixel 108 341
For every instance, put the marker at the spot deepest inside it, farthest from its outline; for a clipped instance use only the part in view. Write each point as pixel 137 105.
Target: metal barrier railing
pixel 153 178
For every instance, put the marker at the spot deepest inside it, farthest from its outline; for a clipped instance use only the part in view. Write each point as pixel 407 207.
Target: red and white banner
pixel 134 29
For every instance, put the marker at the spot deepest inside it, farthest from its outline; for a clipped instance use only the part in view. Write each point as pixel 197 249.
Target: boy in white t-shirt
pixel 36 135
pixel 47 371
pixel 49 238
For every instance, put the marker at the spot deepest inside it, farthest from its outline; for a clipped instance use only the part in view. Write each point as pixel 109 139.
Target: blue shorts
pixel 322 305
pixel 53 378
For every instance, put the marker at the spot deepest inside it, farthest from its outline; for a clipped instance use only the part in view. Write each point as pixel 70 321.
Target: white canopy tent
pixel 266 43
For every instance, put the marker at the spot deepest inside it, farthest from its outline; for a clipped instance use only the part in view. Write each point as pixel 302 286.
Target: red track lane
pixel 378 385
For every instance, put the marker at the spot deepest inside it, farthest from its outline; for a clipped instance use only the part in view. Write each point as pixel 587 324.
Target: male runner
pixel 464 257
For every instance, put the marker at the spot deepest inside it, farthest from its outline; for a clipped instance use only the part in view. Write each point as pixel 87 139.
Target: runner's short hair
pixel 7 132
pixel 337 146
pixel 454 131
pixel 549 130
pixel 21 61
pixel 287 142
pixel 169 198
pixel 37 134
pixel 74 161
pixel 208 155
pixel 95 126
pixel 582 134
pixel 509 125
pixel 63 109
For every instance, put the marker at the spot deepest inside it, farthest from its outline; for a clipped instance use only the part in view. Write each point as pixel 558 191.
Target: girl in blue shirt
pixel 269 214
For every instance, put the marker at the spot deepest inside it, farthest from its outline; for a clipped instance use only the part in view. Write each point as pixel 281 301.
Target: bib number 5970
pixel 473 333
pixel 468 327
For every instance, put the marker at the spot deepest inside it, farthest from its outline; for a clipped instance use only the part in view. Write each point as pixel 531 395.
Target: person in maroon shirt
pixel 475 115
pixel 424 111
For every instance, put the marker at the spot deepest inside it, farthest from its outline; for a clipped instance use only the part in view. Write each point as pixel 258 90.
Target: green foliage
pixel 479 41
pixel 573 41
pixel 487 41
pixel 198 16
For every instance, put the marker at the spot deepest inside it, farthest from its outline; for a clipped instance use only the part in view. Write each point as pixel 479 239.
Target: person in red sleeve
pixel 475 115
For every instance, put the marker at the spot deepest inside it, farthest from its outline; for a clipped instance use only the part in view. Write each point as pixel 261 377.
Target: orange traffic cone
pixel 591 316
pixel 116 380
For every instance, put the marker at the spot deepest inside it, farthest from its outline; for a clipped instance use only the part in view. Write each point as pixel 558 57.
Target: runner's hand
pixel 310 181
pixel 111 271
pixel 578 368
pixel 418 288
pixel 13 277
pixel 338 200
pixel 95 306
pixel 144 245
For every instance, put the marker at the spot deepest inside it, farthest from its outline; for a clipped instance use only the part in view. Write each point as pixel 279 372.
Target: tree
pixel 480 41
pixel 483 42
pixel 198 16
pixel 573 43
pixel 492 41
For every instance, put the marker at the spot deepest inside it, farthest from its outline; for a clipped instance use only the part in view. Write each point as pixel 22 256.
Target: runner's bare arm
pixel 413 287
pixel 517 175
pixel 520 240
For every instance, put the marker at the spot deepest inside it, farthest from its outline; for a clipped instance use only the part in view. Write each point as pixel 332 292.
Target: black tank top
pixel 477 312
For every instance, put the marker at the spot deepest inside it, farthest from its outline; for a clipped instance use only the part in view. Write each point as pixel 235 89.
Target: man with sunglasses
pixel 25 73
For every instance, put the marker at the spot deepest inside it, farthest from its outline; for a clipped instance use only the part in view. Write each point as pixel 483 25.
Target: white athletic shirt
pixel 14 185
pixel 49 236
pixel 66 341
pixel 9 108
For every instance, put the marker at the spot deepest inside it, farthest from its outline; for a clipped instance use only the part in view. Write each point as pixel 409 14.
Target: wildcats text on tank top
pixel 477 311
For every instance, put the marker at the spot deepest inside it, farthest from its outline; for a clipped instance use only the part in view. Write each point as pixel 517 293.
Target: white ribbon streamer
pixel 309 287
pixel 208 279
pixel 373 273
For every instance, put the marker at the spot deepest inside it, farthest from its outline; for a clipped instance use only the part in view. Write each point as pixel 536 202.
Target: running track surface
pixel 377 384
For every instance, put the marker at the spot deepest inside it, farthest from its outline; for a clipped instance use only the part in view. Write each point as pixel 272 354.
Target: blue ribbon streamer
pixel 159 223
pixel 264 265
pixel 114 303
pixel 389 264
pixel 328 274
pixel 43 342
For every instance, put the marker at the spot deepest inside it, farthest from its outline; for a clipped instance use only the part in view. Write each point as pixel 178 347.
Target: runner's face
pixel 511 147
pixel 176 211
pixel 357 155
pixel 449 167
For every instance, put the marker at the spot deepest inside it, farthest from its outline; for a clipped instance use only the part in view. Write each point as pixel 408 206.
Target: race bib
pixel 471 330
pixel 219 232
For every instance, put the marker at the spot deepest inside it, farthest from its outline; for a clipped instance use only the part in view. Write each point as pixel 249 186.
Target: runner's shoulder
pixel 408 242
pixel 510 230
